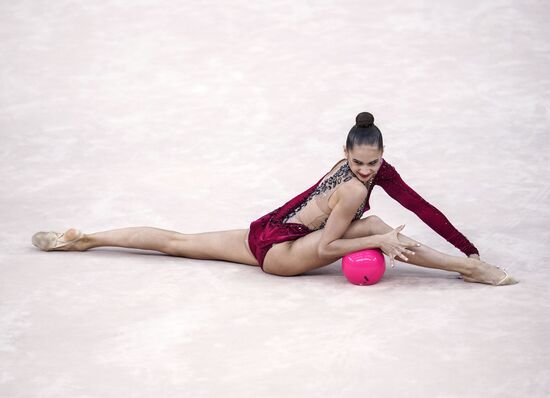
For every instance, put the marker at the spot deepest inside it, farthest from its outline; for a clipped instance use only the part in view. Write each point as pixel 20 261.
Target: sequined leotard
pixel 310 210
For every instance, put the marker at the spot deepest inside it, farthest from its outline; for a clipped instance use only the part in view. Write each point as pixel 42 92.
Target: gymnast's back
pixel 314 210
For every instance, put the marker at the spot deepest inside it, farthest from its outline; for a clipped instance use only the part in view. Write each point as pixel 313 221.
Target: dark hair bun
pixel 364 119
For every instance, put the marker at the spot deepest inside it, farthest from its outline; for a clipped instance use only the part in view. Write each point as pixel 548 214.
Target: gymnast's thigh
pixel 302 255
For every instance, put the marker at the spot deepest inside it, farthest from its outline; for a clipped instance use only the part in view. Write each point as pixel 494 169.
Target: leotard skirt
pixel 268 230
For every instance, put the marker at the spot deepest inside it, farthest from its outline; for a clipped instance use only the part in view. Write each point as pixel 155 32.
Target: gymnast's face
pixel 364 161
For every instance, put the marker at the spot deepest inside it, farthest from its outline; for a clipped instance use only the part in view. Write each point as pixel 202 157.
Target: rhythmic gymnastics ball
pixel 364 267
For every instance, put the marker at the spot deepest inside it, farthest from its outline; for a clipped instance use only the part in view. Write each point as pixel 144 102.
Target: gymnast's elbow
pixel 323 251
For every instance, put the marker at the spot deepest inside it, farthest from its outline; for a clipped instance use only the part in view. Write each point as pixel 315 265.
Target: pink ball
pixel 364 267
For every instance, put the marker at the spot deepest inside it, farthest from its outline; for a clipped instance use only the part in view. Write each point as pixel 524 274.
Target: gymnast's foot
pixel 483 272
pixel 72 239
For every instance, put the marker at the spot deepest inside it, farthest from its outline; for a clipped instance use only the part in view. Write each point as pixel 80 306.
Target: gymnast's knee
pixel 373 219
pixel 372 224
pixel 178 246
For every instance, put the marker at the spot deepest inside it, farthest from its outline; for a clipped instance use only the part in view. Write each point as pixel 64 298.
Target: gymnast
pixel 314 229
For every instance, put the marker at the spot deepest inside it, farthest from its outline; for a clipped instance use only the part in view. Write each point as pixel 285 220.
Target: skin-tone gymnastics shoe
pixel 49 241
pixel 506 279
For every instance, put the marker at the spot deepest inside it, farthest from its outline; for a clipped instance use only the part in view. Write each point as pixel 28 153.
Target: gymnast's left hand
pixel 476 256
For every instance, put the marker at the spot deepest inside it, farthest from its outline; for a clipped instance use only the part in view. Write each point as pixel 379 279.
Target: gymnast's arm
pixel 395 187
pixel 350 196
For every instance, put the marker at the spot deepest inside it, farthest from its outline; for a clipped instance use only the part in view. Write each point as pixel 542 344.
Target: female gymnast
pixel 314 229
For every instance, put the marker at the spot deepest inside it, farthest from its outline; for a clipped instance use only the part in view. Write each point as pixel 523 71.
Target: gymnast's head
pixel 364 147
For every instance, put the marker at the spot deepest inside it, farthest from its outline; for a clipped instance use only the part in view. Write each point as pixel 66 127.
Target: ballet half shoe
pixel 506 280
pixel 49 241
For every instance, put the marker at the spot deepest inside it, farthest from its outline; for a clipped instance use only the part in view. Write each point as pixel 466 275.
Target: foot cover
pixel 506 280
pixel 49 241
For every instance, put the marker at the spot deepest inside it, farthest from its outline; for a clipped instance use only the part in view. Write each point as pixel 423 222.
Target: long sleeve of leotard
pixel 390 180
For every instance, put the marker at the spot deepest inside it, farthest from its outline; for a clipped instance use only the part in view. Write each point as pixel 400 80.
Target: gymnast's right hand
pixel 391 245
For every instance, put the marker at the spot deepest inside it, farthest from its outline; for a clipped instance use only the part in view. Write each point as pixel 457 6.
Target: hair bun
pixel 364 119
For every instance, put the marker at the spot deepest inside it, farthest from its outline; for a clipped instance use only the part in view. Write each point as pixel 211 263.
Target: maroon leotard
pixel 272 228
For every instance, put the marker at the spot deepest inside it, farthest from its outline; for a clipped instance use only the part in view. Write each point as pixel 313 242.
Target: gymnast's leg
pixel 229 245
pixel 147 238
pixel 427 257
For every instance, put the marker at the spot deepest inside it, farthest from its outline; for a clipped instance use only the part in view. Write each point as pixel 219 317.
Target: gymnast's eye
pixel 371 163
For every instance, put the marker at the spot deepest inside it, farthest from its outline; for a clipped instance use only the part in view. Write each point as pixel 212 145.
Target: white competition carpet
pixel 200 116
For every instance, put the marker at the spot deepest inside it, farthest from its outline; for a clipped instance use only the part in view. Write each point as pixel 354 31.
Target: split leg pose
pixel 288 258
pixel 315 228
